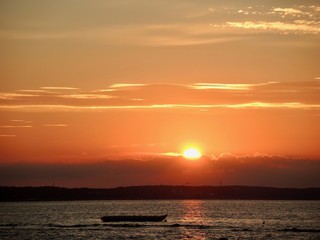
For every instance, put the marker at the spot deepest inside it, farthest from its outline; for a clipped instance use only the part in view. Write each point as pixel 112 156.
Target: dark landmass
pixel 157 192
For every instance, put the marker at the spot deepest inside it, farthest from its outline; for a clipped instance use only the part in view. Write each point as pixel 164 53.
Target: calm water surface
pixel 187 219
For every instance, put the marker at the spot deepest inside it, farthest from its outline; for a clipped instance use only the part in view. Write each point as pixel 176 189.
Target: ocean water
pixel 187 219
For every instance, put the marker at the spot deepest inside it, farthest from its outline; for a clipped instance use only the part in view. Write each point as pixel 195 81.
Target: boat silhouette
pixel 134 218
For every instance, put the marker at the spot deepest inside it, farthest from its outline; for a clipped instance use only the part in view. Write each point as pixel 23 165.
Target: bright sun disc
pixel 191 153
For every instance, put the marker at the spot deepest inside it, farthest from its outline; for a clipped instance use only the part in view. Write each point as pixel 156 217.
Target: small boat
pixel 124 218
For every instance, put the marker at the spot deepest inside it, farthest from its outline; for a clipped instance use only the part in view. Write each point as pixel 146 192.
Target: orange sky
pixel 88 82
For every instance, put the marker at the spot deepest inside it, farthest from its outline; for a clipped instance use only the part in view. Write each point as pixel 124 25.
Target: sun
pixel 191 153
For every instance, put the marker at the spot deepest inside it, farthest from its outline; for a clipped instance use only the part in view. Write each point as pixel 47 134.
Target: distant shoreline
pixel 161 192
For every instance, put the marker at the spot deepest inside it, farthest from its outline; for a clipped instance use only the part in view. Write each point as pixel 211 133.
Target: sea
pixel 187 219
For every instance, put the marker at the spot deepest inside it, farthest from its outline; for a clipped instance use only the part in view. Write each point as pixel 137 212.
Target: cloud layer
pixel 205 96
pixel 231 170
pixel 299 19
pixel 171 23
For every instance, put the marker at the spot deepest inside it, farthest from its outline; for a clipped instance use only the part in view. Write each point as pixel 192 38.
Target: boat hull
pixel 133 218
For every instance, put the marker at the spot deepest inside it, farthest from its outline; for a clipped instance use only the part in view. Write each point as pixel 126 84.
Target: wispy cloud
pixel 166 34
pixel 8 96
pixel 20 121
pixel 309 12
pixel 288 11
pixel 290 95
pixel 222 86
pixel 7 135
pixel 56 125
pixel 171 154
pixel 297 27
pixel 189 26
pixel 33 91
pixel 59 88
pixel 12 126
pixel 86 96
pixel 288 20
pixel 126 85
pixel 25 93
pixel 103 90
pixel 254 105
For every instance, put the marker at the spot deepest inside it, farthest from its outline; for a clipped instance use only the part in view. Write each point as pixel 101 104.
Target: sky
pixel 110 93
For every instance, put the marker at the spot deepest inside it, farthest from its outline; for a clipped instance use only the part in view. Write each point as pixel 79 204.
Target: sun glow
pixel 191 153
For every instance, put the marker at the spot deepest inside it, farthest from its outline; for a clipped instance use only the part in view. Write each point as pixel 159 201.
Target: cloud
pixel 85 96
pixel 290 95
pixel 308 12
pixel 126 85
pixel 222 86
pixel 297 27
pixel 169 24
pixel 7 135
pixel 20 121
pixel 169 34
pixel 11 126
pixel 59 88
pixel 56 125
pixel 288 11
pixel 230 156
pixel 231 170
pixel 288 20
pixel 33 91
pixel 251 105
pixel 8 96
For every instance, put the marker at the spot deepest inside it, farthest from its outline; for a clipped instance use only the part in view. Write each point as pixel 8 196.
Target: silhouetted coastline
pixel 157 192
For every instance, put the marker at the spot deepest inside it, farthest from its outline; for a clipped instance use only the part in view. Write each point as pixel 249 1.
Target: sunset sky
pixel 110 93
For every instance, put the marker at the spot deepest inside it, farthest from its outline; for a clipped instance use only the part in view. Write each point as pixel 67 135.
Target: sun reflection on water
pixel 193 217
pixel 193 212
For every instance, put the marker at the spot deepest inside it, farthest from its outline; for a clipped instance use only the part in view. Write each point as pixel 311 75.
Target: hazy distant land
pixel 48 193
